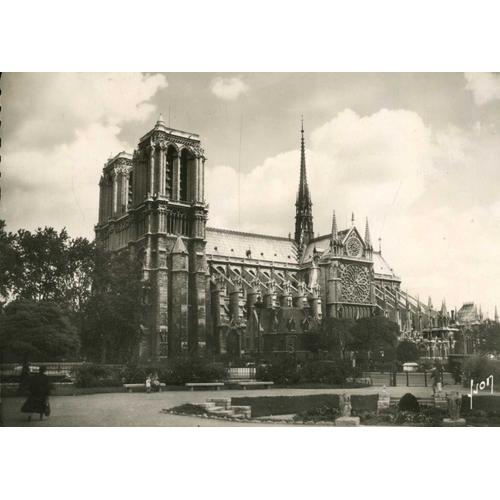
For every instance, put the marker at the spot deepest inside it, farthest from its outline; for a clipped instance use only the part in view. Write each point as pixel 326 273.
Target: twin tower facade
pixel 223 291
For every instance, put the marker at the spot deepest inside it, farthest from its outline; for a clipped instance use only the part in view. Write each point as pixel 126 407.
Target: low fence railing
pixel 52 368
pixel 408 379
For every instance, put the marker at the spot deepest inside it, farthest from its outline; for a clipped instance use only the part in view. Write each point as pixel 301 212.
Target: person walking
pixel 38 395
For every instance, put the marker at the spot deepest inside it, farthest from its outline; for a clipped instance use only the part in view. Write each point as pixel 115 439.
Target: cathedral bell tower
pixel 169 213
pixel 303 205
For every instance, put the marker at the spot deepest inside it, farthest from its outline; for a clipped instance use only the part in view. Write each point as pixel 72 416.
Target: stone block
pixel 224 402
pixel 347 421
pixel 221 412
pixel 448 422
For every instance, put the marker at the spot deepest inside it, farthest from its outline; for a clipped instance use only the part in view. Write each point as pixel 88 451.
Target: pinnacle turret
pixel 368 241
pixel 335 233
pixel 444 311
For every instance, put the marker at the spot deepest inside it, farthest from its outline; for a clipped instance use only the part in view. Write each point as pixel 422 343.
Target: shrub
pixel 284 371
pixel 189 409
pixel 287 371
pixel 92 375
pixel 321 413
pixel 186 370
pixel 479 368
pixel 487 403
pixel 136 374
pixel 364 402
pixel 433 416
pixel 407 351
pixel 364 415
pixel 323 372
pixel 408 403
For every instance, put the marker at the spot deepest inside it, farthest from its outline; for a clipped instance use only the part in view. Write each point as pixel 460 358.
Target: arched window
pixel 130 189
pixel 169 171
pixel 183 177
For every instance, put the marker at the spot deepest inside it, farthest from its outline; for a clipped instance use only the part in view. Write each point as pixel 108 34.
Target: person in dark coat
pixel 38 399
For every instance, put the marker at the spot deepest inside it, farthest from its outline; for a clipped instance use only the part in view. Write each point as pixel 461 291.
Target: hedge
pixel 286 405
pixel 488 403
pixel 361 402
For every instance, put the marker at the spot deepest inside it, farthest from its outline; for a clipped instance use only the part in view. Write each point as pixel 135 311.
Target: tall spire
pixel 368 241
pixel 352 219
pixel 303 205
pixel 496 315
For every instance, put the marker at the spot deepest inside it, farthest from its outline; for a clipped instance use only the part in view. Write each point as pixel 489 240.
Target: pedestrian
pixel 148 383
pixel 437 378
pixel 155 383
pixel 38 398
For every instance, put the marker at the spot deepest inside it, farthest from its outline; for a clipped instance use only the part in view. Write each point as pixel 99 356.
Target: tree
pixel 336 336
pixel 377 335
pixel 407 351
pixel 111 323
pixel 488 336
pixel 37 331
pixel 10 263
pixel 53 267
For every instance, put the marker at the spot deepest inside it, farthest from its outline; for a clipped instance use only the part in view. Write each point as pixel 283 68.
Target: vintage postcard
pixel 245 249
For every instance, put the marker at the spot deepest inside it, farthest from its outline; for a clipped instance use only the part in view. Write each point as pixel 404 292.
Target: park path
pixel 141 409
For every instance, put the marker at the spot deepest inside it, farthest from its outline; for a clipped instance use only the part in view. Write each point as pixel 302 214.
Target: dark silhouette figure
pixel 38 399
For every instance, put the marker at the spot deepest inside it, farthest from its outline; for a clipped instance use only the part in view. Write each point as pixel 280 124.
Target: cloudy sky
pixel 419 154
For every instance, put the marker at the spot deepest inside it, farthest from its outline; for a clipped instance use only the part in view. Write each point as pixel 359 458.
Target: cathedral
pixel 218 291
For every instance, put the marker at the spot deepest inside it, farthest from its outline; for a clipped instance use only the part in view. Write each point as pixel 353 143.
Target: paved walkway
pixel 141 409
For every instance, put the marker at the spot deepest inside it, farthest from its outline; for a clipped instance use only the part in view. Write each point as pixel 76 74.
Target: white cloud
pixel 368 164
pixel 59 185
pixel 485 87
pixel 228 89
pixel 421 189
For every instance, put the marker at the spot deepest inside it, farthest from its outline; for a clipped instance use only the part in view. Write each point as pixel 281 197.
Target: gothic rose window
pixel 355 283
pixel 354 247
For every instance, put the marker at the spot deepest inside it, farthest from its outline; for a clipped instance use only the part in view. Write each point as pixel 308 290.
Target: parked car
pixel 410 367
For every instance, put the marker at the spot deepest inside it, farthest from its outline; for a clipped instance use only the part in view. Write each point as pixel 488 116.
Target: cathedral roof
pixel 381 268
pixel 240 245
pixel 468 313
pixel 321 244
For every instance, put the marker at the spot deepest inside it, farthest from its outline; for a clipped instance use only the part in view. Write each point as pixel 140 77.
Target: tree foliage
pixel 407 351
pixel 46 265
pixel 10 264
pixel 377 335
pixel 489 338
pixel 112 317
pixel 39 331
pixel 336 336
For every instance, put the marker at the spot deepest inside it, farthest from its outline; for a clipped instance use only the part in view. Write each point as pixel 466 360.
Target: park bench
pixel 253 383
pixel 130 387
pixel 217 385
